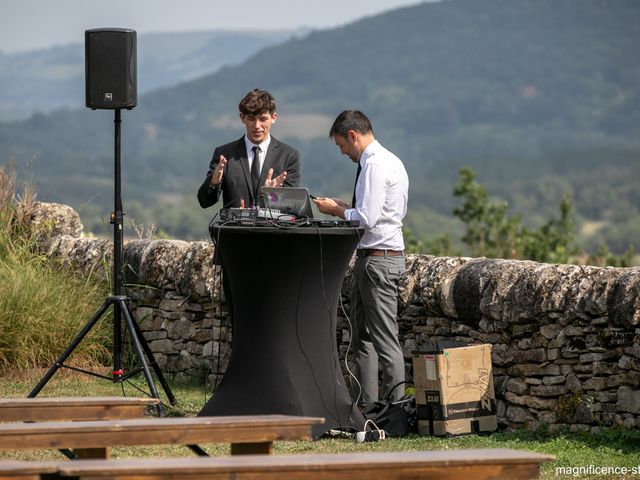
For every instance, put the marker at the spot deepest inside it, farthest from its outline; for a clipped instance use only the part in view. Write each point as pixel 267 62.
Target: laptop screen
pixel 289 200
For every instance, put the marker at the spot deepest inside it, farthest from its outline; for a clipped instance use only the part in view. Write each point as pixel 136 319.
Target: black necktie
pixel 353 202
pixel 255 171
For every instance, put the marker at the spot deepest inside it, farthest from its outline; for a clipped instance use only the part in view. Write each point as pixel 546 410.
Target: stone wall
pixel 566 339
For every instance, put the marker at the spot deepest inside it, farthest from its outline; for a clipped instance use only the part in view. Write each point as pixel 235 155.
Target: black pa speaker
pixel 110 68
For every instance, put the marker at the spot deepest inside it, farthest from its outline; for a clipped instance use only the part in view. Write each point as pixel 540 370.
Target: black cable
pixel 278 222
pixel 352 376
pixel 352 326
pixel 216 254
pixel 213 335
pixel 333 335
pixel 304 353
pixel 167 406
pixel 217 372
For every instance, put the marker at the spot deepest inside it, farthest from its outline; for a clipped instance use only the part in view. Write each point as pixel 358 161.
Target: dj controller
pixel 271 217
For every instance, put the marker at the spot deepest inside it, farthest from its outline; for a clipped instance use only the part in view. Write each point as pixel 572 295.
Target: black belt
pixel 372 252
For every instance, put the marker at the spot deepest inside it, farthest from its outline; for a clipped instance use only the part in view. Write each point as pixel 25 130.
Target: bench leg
pixel 197 449
pixel 260 448
pixel 92 453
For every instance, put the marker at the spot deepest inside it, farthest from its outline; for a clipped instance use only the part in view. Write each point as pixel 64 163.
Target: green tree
pixel 442 245
pixel 604 258
pixel 491 232
pixel 551 242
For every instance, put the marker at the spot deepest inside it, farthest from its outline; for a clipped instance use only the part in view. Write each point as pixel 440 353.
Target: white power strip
pixel 371 436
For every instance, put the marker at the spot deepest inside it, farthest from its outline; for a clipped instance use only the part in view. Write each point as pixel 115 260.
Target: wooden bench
pixel 44 409
pixel 23 470
pixel 441 465
pixel 247 434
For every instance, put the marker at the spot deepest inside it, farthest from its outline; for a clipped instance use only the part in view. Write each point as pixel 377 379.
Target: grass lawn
pixel 609 448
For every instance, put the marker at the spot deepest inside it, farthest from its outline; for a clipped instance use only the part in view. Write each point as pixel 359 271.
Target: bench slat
pixel 260 429
pixel 45 409
pixel 22 470
pixel 474 464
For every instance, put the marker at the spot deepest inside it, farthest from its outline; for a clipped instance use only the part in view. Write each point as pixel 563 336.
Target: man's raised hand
pixel 275 182
pixel 218 173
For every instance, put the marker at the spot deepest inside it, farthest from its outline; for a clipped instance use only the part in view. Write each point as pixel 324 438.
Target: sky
pixel 34 24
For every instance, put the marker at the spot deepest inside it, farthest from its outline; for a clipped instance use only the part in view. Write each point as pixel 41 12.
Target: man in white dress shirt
pixel 380 204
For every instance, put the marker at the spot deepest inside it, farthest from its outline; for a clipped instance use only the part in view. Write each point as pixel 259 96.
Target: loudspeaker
pixel 110 68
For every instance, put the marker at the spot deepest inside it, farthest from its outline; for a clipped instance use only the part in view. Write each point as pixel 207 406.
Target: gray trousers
pixel 374 310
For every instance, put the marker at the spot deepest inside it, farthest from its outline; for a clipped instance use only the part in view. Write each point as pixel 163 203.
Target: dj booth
pixel 285 281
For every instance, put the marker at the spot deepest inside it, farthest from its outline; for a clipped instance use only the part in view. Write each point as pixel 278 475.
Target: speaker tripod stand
pixel 121 311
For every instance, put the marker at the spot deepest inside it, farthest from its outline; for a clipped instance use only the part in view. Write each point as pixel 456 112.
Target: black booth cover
pixel 285 285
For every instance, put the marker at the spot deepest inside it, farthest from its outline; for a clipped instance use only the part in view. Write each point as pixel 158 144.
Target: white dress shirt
pixel 263 151
pixel 381 198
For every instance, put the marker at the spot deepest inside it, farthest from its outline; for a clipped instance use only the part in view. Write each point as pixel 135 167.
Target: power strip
pixel 371 436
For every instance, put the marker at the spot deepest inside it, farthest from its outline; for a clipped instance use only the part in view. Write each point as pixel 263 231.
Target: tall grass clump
pixel 42 306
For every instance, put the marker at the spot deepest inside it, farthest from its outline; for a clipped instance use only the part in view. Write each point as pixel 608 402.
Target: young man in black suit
pixel 234 170
pixel 235 173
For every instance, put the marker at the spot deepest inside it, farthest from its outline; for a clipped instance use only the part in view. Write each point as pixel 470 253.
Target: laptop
pixel 288 200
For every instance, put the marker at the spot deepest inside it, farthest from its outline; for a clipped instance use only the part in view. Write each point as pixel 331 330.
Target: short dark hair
pixel 350 120
pixel 257 102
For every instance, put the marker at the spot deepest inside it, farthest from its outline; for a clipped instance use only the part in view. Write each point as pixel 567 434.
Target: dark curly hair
pixel 257 102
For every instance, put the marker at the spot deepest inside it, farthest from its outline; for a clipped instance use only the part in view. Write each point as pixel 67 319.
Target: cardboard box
pixel 454 390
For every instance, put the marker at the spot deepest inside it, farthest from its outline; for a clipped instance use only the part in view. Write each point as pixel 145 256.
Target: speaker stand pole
pixel 120 309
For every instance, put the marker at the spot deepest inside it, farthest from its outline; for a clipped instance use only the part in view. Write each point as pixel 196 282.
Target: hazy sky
pixel 32 24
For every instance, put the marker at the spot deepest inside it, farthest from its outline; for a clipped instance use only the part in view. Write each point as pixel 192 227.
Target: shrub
pixel 42 306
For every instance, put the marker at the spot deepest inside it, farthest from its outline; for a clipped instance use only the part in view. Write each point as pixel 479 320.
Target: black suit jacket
pixel 236 182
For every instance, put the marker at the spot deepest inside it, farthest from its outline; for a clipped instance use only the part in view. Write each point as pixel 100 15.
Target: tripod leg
pixel 117 345
pixel 154 364
pixel 76 341
pixel 137 345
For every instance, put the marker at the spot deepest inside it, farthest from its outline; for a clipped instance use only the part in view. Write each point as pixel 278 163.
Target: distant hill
pixel 541 97
pixel 53 78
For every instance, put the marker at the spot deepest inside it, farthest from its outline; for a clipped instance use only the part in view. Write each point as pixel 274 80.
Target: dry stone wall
pixel 566 338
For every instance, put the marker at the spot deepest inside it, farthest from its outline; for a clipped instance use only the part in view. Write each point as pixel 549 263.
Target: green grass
pixel 41 310
pixel 614 448
pixel 42 307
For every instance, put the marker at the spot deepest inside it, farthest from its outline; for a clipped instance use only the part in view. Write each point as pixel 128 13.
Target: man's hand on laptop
pixel 275 182
pixel 342 203
pixel 331 206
